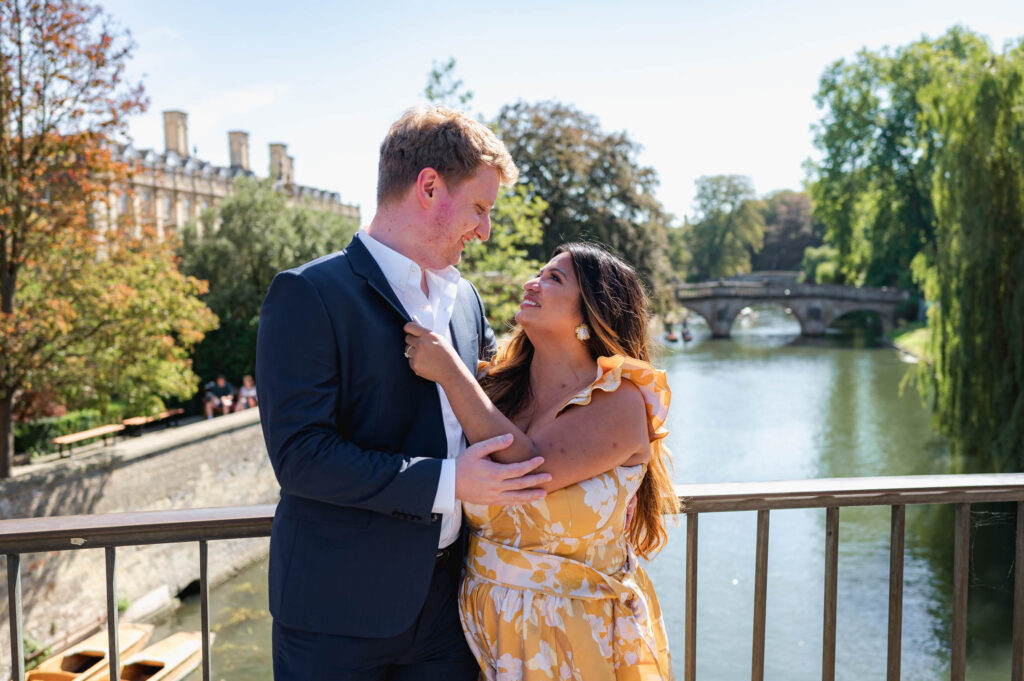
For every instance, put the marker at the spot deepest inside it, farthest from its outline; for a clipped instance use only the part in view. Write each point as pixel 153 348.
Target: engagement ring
pixel 408 351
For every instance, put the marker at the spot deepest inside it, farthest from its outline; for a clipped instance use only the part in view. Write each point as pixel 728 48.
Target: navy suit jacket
pixel 353 543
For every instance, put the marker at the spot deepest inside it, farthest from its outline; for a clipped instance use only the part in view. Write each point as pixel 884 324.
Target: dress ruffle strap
pixel 652 384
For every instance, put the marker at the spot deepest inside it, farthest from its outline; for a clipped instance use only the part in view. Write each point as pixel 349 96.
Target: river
pixel 768 405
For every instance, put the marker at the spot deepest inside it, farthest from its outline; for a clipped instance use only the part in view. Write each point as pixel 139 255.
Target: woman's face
pixel 551 300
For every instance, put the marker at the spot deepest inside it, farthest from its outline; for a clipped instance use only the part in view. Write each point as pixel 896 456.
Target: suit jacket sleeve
pixel 298 384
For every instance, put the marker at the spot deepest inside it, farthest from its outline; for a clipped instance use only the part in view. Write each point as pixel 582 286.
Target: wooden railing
pixel 68 533
pixel 21 536
pixel 832 495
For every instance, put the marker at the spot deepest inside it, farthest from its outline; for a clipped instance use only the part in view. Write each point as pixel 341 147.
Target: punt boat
pixel 171 659
pixel 88 659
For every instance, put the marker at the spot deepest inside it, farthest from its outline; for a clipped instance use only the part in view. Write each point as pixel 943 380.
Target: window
pixel 168 205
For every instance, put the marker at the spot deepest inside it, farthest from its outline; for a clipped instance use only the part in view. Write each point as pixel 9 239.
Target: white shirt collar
pixel 404 274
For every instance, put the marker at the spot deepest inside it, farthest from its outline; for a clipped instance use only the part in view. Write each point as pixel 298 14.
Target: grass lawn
pixel 912 338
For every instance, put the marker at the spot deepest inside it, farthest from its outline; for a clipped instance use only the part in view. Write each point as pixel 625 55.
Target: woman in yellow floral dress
pixel 553 588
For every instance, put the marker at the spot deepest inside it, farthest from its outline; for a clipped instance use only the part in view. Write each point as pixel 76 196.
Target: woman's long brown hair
pixel 614 306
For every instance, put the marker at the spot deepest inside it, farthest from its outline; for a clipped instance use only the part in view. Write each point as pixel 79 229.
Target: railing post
pixel 896 539
pixel 961 566
pixel 760 595
pixel 204 600
pixel 690 663
pixel 828 644
pixel 14 608
pixel 1017 673
pixel 115 649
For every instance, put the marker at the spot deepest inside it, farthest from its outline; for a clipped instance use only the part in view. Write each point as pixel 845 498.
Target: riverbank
pixel 913 339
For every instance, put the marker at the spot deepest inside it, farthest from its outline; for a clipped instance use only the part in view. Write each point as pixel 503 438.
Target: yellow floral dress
pixel 552 590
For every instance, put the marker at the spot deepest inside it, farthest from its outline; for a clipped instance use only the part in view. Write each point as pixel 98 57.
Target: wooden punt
pixel 171 659
pixel 88 659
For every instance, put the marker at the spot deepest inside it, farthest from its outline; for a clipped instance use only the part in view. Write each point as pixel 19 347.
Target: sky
pixel 706 87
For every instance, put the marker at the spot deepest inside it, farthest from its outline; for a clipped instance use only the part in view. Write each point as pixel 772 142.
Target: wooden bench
pixel 136 423
pixel 102 431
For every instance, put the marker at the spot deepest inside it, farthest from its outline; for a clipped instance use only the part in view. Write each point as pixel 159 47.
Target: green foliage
pixel 593 185
pixel 34 437
pixel 789 229
pixel 973 272
pixel 872 186
pixel 36 650
pixel 679 257
pixel 445 89
pixel 259 234
pixel 728 227
pixel 820 265
pixel 517 247
pixel 103 320
pixel 499 267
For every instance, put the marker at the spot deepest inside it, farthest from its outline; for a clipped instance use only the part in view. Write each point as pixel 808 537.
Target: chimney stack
pixel 281 164
pixel 238 143
pixel 176 132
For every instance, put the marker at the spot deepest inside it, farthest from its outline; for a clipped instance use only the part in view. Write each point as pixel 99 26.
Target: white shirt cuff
pixel 444 500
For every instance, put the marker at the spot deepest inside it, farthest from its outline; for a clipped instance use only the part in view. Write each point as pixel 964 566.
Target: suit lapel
pixel 365 266
pixel 464 327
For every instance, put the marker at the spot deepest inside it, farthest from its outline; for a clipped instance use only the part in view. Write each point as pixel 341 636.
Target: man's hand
pixel 479 480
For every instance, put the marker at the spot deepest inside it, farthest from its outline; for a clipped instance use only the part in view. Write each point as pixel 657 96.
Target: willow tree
pixel 872 182
pixel 974 272
pixel 87 308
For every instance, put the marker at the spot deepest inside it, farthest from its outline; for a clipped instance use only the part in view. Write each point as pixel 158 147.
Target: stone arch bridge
pixel 815 306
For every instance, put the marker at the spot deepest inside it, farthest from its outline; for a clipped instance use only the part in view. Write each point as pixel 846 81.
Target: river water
pixel 768 405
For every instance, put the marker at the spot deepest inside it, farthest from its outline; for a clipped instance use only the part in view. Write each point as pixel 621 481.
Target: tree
pixel 259 235
pixel 872 186
pixel 789 229
pixel 499 268
pixel 973 272
pixel 445 89
pixel 592 182
pixel 728 226
pixel 62 97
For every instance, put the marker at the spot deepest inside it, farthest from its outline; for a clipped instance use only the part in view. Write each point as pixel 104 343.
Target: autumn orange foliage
pixel 89 306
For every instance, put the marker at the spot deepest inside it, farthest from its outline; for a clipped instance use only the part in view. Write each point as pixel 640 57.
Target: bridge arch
pixel 814 306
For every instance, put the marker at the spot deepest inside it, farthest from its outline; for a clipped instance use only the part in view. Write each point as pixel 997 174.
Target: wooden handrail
pixel 28 535
pixel 61 533
pixel 840 492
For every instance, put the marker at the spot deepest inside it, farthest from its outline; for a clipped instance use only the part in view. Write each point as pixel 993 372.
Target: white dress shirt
pixel 434 312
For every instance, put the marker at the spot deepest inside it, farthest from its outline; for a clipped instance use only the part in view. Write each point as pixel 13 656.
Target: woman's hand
pixel 430 355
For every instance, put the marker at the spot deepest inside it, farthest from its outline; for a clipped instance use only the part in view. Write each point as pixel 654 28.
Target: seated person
pixel 219 395
pixel 246 394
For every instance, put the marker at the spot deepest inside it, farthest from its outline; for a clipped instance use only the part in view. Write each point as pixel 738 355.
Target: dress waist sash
pixel 555 575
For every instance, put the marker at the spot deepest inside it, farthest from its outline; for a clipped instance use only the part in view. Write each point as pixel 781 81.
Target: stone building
pixel 173 187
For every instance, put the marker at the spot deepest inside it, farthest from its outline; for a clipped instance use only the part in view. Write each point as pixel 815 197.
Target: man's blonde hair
pixel 446 140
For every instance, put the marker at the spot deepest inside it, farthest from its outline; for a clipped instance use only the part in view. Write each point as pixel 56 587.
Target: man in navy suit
pixel 366 549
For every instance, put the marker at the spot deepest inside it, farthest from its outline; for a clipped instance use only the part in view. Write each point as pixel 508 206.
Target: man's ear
pixel 428 182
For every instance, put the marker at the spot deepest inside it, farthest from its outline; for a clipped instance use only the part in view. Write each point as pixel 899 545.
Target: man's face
pixel 461 215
